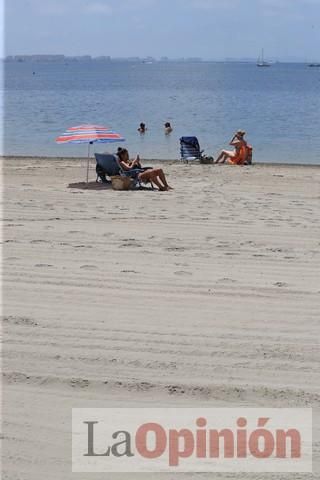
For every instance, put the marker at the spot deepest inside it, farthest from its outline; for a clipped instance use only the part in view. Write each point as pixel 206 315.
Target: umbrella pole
pixel 88 160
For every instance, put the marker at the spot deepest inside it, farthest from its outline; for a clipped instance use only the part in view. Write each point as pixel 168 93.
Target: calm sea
pixel 279 107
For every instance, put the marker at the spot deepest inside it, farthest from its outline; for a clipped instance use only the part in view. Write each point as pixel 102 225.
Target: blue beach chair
pixel 190 149
pixel 106 165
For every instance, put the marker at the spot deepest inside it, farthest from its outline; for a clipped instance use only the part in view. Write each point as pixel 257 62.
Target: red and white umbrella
pixel 89 134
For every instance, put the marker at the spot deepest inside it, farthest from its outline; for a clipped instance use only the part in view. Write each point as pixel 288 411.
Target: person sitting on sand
pixel 167 128
pixel 142 128
pixel 153 175
pixel 239 155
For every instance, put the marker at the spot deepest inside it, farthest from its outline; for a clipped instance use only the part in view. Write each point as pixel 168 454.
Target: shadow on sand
pixel 90 186
pixel 102 186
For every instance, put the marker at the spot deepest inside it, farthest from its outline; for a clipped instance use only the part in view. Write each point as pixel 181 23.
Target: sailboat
pixel 261 61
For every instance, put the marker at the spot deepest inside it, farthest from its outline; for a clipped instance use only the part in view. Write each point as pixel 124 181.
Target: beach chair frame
pixel 190 149
pixel 106 165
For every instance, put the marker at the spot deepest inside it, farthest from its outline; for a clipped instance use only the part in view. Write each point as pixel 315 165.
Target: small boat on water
pixel 314 64
pixel 261 61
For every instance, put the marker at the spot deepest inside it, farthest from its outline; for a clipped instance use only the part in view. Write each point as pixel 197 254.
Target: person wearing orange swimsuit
pixel 237 156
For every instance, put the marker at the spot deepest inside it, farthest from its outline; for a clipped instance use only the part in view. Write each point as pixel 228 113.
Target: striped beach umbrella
pixel 89 134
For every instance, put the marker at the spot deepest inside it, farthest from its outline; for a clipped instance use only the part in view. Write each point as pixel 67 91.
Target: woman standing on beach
pixel 154 175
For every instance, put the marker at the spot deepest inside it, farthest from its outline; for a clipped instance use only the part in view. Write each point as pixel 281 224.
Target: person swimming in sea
pixel 142 128
pixel 167 128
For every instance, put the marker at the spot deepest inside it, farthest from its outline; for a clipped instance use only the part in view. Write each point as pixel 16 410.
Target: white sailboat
pixel 261 61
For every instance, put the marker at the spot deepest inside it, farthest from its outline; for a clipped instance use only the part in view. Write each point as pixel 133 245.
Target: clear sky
pixel 211 29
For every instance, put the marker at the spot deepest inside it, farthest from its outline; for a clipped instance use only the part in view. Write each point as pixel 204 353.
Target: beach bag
pixel 120 183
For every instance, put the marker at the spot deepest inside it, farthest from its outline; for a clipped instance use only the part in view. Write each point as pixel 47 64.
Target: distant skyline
pixel 60 58
pixel 210 29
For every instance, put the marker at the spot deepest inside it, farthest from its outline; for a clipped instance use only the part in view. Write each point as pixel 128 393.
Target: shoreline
pixel 152 160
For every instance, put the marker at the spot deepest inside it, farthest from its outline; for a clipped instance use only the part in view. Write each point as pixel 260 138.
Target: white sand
pixel 206 295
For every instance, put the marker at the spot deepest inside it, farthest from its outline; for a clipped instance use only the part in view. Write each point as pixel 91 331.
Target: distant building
pixel 102 59
pixel 148 60
pixel 83 58
pixel 36 58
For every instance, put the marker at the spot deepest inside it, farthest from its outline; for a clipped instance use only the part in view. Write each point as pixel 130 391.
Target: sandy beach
pixel 208 295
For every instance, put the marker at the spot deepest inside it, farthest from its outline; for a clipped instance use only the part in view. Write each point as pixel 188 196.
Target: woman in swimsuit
pixel 239 154
pixel 154 175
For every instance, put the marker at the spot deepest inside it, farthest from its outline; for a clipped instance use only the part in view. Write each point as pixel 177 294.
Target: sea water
pixel 279 107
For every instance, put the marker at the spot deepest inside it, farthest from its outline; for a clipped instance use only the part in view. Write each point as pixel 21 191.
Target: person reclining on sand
pixel 240 153
pixel 153 175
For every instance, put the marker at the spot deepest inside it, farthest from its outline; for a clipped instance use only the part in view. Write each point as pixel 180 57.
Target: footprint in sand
pixel 88 267
pixel 226 280
pixel 174 389
pixel 43 265
pixel 280 284
pixel 79 382
pixel 223 245
pixel 20 321
pixel 39 241
pixel 132 244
